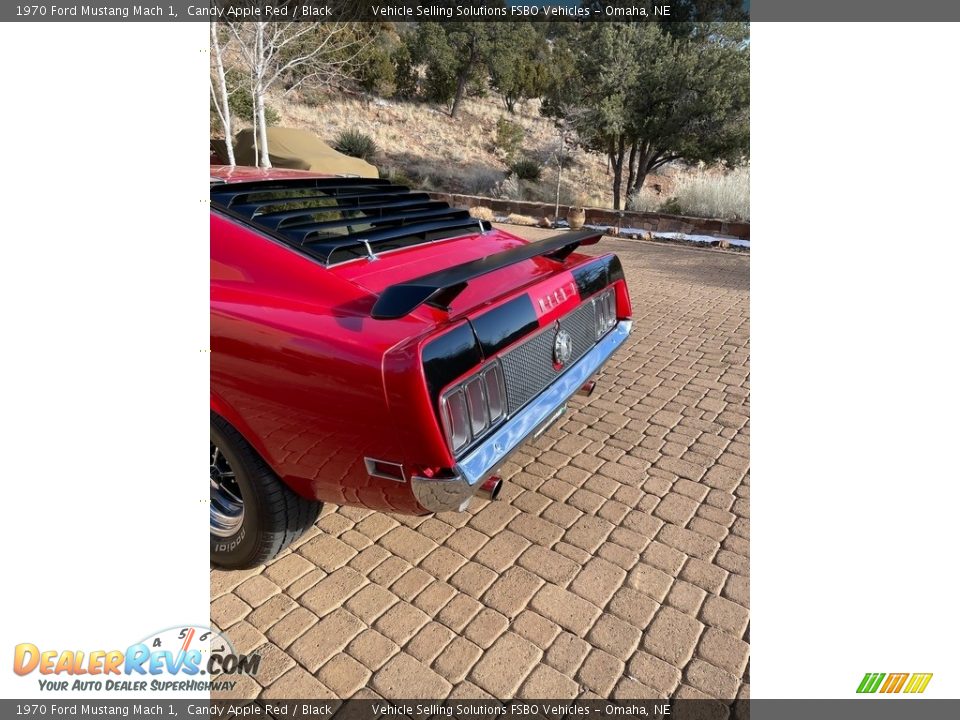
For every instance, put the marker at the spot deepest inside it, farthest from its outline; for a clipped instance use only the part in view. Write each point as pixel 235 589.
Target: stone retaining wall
pixel 654 222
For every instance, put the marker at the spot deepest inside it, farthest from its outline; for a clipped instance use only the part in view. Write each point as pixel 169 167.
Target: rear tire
pixel 253 515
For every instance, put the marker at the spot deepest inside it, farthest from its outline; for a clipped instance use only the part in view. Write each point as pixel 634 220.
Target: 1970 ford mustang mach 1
pixel 374 347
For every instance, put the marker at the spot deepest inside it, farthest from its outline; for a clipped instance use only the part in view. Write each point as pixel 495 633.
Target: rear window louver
pixel 340 219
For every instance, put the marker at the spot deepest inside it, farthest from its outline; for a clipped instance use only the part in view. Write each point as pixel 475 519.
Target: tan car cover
pixel 297 149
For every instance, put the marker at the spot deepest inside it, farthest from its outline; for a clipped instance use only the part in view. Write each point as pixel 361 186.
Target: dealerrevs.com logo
pixel 181 659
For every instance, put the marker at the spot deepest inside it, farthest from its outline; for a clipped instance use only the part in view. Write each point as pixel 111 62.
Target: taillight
pixel 605 311
pixel 472 407
pixel 456 421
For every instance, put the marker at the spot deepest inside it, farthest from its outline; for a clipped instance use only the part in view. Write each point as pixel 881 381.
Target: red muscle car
pixel 374 347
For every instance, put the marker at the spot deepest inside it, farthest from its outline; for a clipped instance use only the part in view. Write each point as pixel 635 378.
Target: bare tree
pixel 560 156
pixel 219 92
pixel 294 53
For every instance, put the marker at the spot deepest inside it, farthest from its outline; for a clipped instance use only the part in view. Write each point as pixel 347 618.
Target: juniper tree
pixel 644 97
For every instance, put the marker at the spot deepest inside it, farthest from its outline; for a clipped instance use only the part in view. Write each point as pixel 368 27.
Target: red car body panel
pixel 315 384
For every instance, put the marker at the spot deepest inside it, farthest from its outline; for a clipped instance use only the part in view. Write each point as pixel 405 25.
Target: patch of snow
pixel 564 225
pixel 739 242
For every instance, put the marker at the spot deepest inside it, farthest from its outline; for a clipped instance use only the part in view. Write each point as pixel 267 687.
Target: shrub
pixel 396 176
pixel 480 181
pixel 241 102
pixel 527 169
pixel 431 182
pixel 376 70
pixel 405 76
pixel 672 206
pixel 477 88
pixel 516 219
pixel 509 137
pixel 480 212
pixel 545 191
pixel 510 188
pixel 644 201
pixel 439 81
pixel 712 195
pixel 355 144
pixel 241 108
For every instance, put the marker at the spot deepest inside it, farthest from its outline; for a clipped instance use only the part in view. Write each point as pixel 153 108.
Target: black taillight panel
pixel 449 356
pixel 505 324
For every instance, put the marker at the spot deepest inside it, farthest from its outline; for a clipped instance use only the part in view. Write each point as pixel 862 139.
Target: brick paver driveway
pixel 616 562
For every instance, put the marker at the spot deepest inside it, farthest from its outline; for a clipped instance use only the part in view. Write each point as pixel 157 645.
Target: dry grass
pixel 438 152
pixel 482 212
pixel 422 145
pixel 702 194
pixel 716 195
pixel 515 219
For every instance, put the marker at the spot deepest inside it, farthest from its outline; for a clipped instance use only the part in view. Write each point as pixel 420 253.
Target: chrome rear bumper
pixel 440 494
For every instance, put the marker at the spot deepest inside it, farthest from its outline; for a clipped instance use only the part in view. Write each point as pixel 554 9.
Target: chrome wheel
pixel 226 501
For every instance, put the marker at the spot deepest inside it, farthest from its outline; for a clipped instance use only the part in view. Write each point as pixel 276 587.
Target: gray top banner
pixel 482 10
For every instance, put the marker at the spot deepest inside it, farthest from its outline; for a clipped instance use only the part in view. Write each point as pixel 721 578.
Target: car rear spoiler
pixel 440 288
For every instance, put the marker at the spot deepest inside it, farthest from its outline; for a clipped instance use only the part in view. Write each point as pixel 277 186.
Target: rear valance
pixel 440 288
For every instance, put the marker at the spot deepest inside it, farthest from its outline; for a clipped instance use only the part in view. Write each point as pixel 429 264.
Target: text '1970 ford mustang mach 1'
pixel 374 347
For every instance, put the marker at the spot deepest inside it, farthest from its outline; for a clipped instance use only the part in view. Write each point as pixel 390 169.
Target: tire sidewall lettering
pixel 233 542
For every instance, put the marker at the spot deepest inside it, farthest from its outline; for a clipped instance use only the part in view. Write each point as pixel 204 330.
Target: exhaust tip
pixel 490 489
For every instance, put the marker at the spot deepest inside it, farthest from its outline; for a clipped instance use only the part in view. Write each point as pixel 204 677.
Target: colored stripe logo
pixel 894 683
